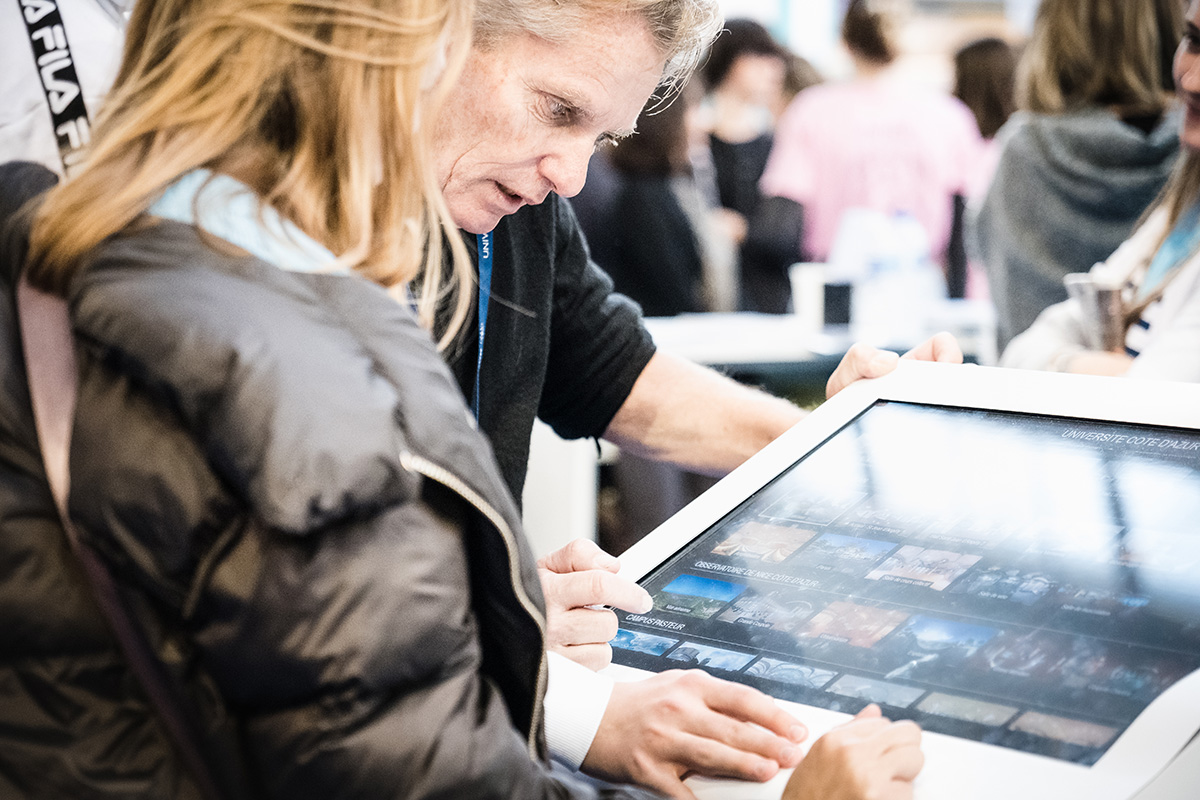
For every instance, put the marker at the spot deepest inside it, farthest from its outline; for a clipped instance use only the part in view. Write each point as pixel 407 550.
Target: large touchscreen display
pixel 1025 581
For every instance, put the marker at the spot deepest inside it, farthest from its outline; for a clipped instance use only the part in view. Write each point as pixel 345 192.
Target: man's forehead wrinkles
pixel 587 80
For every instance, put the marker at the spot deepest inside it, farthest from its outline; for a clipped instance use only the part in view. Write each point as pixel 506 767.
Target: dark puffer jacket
pixel 286 484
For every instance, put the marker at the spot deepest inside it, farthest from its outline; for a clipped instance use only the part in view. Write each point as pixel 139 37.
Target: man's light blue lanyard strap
pixel 485 293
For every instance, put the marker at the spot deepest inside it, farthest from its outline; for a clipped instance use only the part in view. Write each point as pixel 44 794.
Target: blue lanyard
pixel 1180 243
pixel 485 293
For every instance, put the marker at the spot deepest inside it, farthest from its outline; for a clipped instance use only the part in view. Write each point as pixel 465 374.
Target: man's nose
pixel 566 168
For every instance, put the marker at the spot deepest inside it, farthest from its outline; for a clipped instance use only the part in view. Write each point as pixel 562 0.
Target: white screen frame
pixel 958 768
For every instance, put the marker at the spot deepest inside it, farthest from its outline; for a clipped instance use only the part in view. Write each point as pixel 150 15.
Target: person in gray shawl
pixel 1090 149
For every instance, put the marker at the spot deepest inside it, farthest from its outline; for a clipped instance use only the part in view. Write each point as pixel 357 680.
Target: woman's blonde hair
pixel 323 107
pixel 1086 53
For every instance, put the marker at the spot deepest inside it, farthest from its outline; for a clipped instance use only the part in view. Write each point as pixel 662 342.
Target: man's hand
pixel 657 731
pixel 868 758
pixel 941 347
pixel 864 361
pixel 576 580
pixel 1099 362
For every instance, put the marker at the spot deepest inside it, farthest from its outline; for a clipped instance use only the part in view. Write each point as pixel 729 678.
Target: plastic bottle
pixel 893 303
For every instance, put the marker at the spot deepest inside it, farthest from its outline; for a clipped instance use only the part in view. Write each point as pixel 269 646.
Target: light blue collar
pixel 1181 242
pixel 228 209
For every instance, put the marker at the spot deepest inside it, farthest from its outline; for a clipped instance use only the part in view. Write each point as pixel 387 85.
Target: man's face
pixel 526 116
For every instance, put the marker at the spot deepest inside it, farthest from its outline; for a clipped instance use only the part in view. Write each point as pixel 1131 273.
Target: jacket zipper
pixel 439 474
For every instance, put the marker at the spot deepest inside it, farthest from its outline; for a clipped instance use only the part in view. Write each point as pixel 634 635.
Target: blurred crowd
pixel 1045 156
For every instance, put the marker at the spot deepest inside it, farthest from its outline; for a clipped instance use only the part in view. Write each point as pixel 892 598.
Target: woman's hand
pixel 868 758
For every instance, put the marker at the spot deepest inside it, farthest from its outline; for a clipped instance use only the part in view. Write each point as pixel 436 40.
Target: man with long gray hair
pixel 548 82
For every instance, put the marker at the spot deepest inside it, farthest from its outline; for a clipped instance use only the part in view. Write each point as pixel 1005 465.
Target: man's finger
pixel 717 759
pixel 667 784
pixel 750 724
pixel 749 705
pixel 578 556
pixel 581 626
pixel 594 588
pixel 861 361
pixel 749 740
pixel 941 347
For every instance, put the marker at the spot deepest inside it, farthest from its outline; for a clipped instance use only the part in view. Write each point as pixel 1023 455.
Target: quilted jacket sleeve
pixel 352 662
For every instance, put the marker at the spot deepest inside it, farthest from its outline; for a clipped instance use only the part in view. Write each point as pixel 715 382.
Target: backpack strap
pixel 48 344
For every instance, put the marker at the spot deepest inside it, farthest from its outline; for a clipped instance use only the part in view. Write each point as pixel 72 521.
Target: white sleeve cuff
pixel 576 699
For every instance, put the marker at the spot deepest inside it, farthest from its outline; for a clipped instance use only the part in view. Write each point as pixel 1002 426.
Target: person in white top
pixel 59 58
pixel 1157 268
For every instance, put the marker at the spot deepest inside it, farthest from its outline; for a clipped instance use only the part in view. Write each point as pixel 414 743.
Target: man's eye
pixel 559 112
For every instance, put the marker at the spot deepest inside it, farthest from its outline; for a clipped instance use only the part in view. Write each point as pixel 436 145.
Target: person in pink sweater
pixel 876 141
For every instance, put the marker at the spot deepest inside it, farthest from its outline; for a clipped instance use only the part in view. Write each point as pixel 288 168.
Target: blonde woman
pixel 1158 268
pixel 268 454
pixel 1090 147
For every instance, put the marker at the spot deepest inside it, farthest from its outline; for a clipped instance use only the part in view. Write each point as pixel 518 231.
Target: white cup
pixel 1103 311
pixel 808 294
